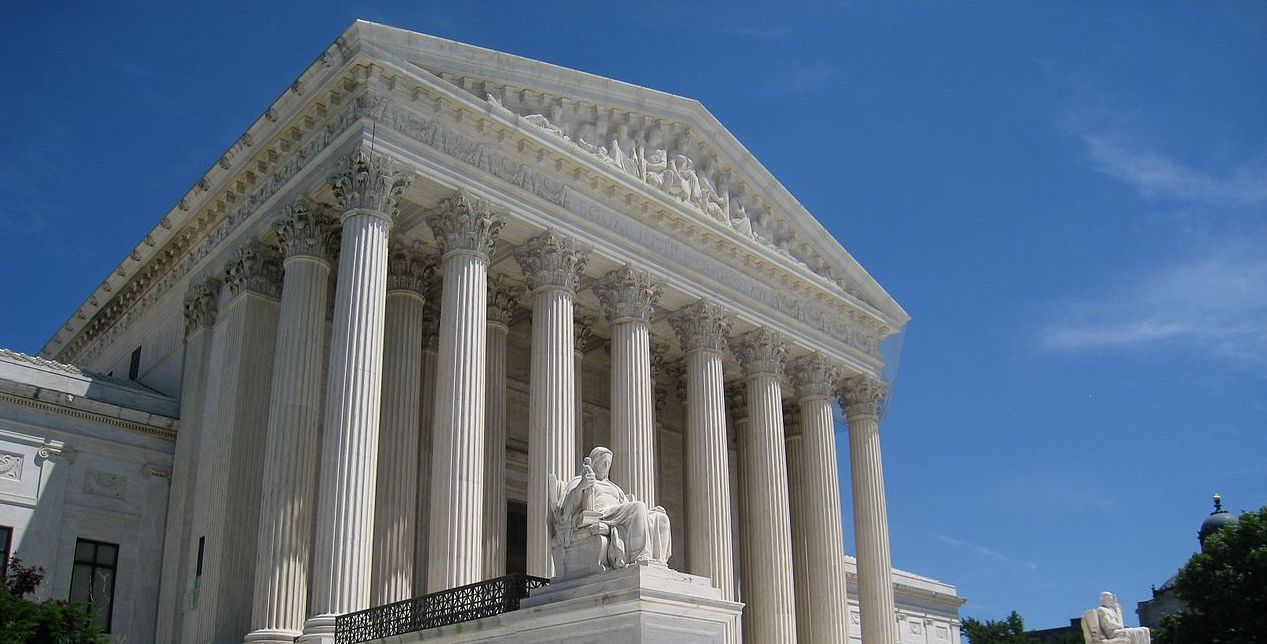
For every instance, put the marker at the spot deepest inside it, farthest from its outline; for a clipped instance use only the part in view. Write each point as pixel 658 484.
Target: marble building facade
pixel 431 275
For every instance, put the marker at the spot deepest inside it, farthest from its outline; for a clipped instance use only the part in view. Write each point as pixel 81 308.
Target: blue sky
pixel 1069 198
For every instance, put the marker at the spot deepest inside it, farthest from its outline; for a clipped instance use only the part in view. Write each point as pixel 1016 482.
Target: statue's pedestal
pixel 638 604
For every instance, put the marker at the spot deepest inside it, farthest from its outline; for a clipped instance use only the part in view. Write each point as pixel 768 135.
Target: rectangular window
pixel 92 579
pixel 134 368
pixel 6 543
pixel 202 542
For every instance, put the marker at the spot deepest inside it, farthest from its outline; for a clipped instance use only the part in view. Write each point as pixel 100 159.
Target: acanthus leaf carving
pixel 369 182
pixel 552 260
pixel 627 294
pixel 703 325
pixel 465 223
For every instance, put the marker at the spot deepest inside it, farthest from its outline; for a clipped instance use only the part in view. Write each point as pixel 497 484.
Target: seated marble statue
pixel 1103 625
pixel 596 527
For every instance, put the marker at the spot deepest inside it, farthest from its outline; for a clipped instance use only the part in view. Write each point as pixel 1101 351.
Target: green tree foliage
pixel 1225 586
pixel 26 621
pixel 1010 630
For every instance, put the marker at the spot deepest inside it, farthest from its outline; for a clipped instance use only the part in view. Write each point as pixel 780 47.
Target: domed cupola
pixel 1217 519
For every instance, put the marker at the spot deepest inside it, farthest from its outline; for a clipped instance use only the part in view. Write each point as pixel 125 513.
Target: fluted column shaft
pixel 769 589
pixel 427 397
pixel 455 548
pixel 397 487
pixel 551 263
pixel 349 453
pixel 501 307
pixel 702 329
pixel 629 297
pixel 285 537
pixel 800 504
pixel 467 231
pixel 821 523
pixel 285 526
pixel 862 397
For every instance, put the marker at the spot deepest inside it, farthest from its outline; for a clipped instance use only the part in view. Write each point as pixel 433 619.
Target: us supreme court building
pixel 427 277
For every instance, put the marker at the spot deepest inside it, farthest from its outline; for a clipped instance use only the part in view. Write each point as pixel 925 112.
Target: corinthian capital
pixel 627 295
pixel 408 268
pixel 254 267
pixel 305 229
pixel 200 304
pixel 761 351
pixel 814 375
pixel 503 300
pixel 552 260
pixel 464 223
pixel 863 395
pixel 702 325
pixel 582 329
pixel 369 183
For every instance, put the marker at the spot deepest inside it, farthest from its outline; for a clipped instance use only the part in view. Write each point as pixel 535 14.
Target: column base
pixel 318 630
pixel 272 636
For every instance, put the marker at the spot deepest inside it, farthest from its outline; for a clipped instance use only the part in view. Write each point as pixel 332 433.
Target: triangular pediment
pixel 665 142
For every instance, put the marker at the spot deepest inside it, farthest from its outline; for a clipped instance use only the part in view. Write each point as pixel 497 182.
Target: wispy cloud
pixel 1212 304
pixel 810 78
pixel 1156 175
pixel 984 552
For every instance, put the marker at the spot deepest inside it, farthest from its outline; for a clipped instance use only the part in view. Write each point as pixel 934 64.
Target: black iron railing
pixel 461 604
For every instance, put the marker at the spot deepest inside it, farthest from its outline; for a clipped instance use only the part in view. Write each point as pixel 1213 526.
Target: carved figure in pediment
pixel 715 203
pixel 498 107
pixel 739 219
pixel 681 181
pixel 653 165
pixel 548 124
pixel 617 156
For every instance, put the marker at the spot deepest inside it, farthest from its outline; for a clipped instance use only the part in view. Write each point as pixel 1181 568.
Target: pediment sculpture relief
pixel 649 159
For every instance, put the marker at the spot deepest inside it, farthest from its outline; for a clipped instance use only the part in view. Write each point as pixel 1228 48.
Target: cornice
pixel 165 432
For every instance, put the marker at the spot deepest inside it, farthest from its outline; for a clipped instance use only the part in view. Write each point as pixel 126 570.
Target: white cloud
pixel 1212 304
pixel 1155 175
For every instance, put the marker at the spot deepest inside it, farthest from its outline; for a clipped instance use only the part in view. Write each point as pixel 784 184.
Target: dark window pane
pixel 106 554
pixel 81 583
pixel 84 551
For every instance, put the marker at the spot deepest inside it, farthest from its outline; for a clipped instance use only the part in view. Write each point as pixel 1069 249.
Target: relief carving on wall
pixel 107 484
pixel 10 466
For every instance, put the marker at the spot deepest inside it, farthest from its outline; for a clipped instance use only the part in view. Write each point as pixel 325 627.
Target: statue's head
pixel 1107 599
pixel 601 460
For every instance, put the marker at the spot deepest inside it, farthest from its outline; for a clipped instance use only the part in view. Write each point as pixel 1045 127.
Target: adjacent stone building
pixel 426 278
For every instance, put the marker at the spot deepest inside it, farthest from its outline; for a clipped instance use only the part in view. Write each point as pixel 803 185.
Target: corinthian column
pixel 800 500
pixel 467 231
pixel 862 397
pixel 502 308
pixel 702 329
pixel 367 190
pixel 396 490
pixel 816 378
pixel 290 454
pixel 582 333
pixel 769 590
pixel 629 296
pixel 552 263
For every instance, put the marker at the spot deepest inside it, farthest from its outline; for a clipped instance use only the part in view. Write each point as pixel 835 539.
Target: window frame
pixel 94 566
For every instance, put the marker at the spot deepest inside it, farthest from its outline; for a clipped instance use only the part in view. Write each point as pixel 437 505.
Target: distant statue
pixel 1103 625
pixel 595 526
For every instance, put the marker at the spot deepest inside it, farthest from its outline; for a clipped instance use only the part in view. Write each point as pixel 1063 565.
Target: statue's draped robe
pixel 1114 631
pixel 631 530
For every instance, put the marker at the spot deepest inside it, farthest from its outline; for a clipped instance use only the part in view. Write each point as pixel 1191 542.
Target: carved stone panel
pixel 10 466
pixel 107 484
